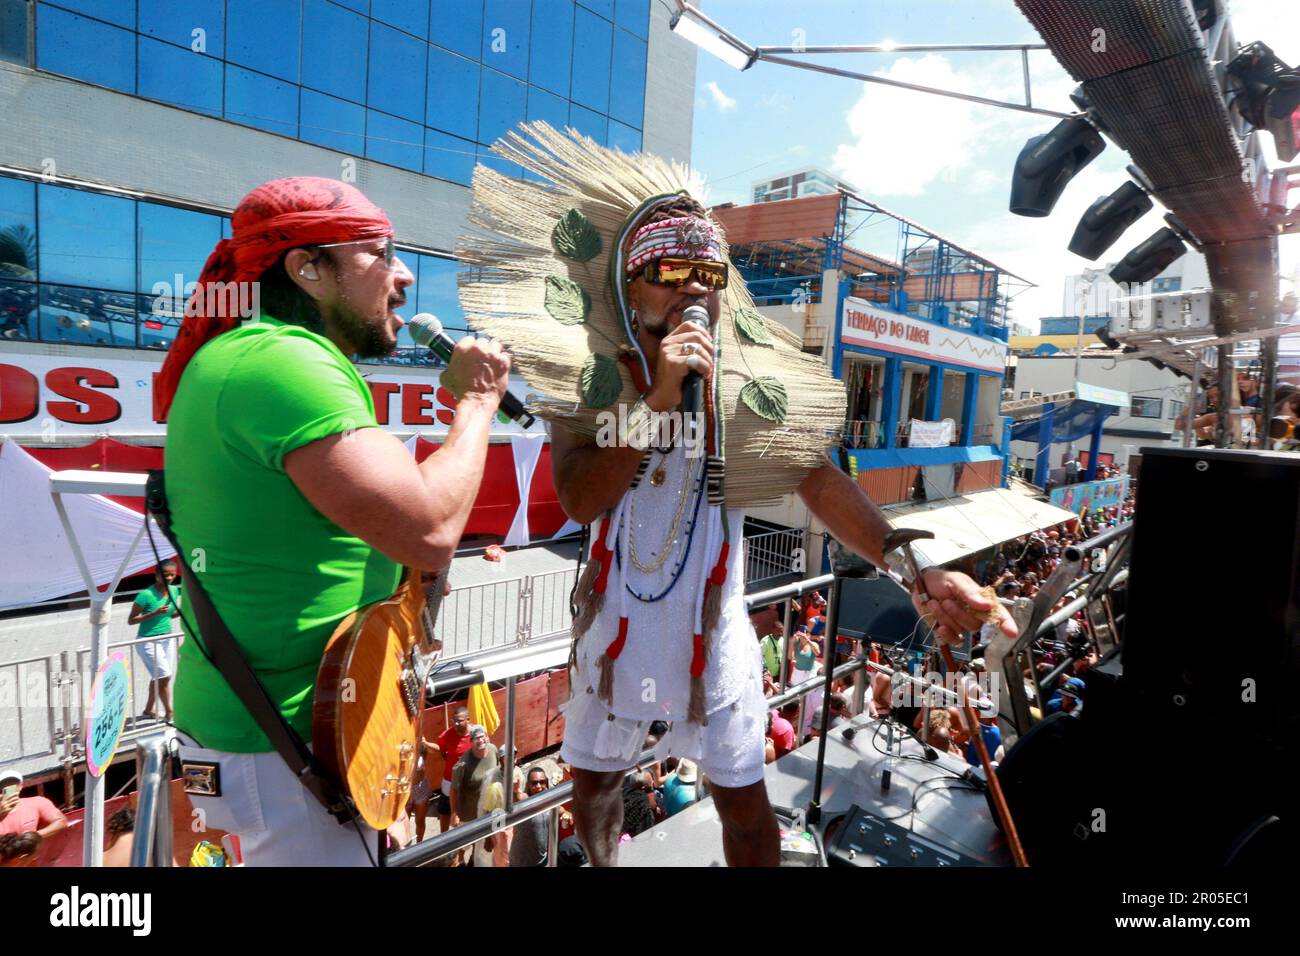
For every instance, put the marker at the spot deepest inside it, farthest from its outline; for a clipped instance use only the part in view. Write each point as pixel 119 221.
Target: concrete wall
pixel 669 90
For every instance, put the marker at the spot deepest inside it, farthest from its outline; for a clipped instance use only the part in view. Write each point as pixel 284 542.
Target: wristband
pixel 638 430
pixel 898 564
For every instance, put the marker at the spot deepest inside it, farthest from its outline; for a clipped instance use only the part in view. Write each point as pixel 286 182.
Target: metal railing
pixel 773 555
pixel 864 434
pixel 499 614
pixel 467 834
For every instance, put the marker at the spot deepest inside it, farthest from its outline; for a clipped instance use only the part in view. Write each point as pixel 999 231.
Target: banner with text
pixel 870 326
pixel 49 398
pixel 1090 495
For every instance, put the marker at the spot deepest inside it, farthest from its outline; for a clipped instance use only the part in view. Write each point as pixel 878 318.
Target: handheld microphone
pixel 693 385
pixel 426 331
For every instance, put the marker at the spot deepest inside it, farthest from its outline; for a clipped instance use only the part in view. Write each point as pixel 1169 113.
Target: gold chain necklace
pixel 670 538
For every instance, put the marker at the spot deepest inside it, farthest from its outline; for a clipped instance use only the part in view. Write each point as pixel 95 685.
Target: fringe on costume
pixel 578 708
pixel 616 737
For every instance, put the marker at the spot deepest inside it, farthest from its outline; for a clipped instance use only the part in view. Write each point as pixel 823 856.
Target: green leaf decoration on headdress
pixel 750 324
pixel 575 237
pixel 566 301
pixel 601 384
pixel 765 396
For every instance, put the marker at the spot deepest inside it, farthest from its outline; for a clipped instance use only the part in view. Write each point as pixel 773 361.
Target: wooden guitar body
pixel 368 703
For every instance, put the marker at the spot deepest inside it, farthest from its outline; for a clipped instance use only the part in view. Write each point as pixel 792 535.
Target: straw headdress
pixel 542 284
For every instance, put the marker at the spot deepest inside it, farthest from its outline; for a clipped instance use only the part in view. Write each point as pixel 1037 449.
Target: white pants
pixel 278 821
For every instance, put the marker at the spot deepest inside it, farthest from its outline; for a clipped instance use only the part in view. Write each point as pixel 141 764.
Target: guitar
pixel 369 697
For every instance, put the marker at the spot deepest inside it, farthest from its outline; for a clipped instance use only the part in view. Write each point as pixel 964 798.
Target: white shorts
pixel 730 748
pixel 159 658
pixel 279 823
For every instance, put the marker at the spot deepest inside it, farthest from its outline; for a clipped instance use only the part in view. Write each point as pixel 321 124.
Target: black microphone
pixel 693 385
pixel 427 331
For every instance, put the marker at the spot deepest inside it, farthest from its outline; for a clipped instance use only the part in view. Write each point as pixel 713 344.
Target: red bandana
pixel 275 217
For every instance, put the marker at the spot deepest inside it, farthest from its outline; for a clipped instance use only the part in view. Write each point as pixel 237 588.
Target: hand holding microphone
pixel 474 366
pixel 685 360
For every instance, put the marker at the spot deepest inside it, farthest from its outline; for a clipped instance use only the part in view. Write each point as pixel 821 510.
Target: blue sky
pixel 942 162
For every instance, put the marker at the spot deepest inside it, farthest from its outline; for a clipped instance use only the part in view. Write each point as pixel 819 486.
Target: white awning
pixel 965 524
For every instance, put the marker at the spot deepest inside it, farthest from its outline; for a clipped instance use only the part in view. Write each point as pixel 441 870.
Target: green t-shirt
pixel 151 599
pixel 771 655
pixel 280 573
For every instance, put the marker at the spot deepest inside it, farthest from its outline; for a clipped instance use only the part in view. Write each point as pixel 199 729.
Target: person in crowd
pixel 528 843
pixel 781 733
pixel 120 832
pixel 639 805
pixel 941 732
pixel 469 775
pixel 153 609
pixel 452 744
pixel 570 852
pixel 20 814
pixel 805 656
pixel 680 788
pixel 20 849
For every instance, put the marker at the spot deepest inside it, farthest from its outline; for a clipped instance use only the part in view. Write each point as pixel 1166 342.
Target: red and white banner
pixel 870 326
pixel 49 397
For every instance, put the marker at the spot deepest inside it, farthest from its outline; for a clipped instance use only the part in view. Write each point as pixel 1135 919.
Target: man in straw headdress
pixel 606 254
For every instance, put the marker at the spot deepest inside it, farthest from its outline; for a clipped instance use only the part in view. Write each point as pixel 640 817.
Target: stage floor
pixel 946 814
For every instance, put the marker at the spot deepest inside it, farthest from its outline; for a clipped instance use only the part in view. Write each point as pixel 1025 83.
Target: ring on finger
pixel 695 363
pixel 688 348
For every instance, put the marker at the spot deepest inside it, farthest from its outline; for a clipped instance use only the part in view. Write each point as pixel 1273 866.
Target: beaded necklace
pixel 698 494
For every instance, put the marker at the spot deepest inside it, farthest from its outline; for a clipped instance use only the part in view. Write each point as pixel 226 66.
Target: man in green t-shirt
pixel 153 610
pixel 289 504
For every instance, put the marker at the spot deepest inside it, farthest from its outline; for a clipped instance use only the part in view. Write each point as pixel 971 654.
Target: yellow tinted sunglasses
pixel 678 272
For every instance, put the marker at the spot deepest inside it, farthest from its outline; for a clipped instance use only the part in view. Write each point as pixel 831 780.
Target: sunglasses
pixel 678 272
pixel 390 252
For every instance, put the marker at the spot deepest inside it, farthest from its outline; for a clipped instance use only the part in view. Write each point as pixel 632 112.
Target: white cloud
pixel 721 100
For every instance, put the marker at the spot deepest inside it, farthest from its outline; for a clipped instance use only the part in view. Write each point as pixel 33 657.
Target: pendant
pixel 658 477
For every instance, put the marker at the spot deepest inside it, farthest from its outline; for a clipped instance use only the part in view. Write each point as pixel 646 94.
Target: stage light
pixel 1269 96
pixel 1048 162
pixel 1150 258
pixel 690 24
pixel 1107 218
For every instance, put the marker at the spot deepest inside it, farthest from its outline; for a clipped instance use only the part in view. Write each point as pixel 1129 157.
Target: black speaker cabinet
pixel 1212 632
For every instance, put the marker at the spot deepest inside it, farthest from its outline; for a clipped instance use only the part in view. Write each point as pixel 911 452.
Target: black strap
pixel 227 657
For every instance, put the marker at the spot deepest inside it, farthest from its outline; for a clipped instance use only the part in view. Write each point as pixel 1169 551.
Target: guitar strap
pixel 225 654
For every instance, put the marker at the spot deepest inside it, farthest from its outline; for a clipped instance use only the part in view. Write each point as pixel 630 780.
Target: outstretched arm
pixel 955 603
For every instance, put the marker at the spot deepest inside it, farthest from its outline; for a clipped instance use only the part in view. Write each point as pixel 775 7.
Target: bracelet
pixel 638 432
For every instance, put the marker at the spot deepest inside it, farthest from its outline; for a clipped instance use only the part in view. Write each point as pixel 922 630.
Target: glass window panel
pixel 360 6
pixel 397 67
pixel 547 107
pixel 409 15
pixel 452 94
pixel 114 11
pixel 457 25
pixel 448 157
pixel 394 141
pixel 633 15
pixel 17 310
pixel 180 77
pixel 160 319
pixel 174 242
pixel 505 36
pixel 627 91
pixel 176 23
pixel 552 45
pixel 86 238
pixel 17 229
pixel 502 104
pixel 491 160
pixel 263 35
pixel 261 101
pixel 87 316
pixel 225 227
pixel 589 123
pixel 13 31
pixel 85 49
pixel 437 293
pixel 592 40
pixel 623 137
pixel 332 122
pixel 334 50
pixel 604 7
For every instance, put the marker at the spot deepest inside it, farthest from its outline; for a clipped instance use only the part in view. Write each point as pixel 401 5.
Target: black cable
pixel 929 763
